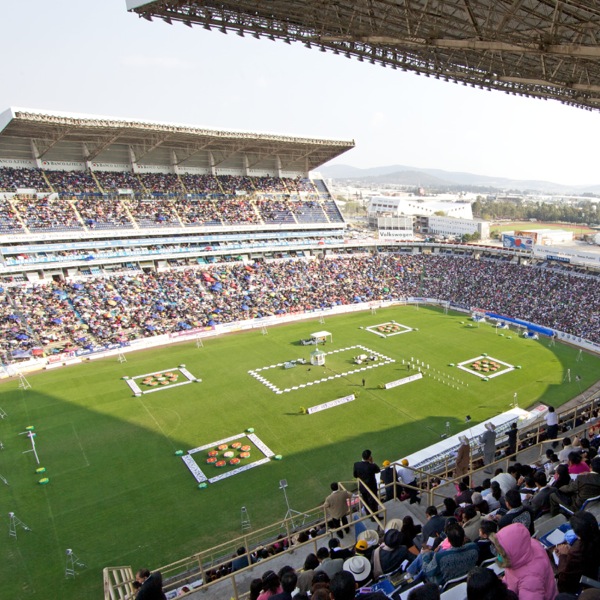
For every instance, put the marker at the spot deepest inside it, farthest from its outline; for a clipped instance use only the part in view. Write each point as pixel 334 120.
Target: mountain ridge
pixel 429 177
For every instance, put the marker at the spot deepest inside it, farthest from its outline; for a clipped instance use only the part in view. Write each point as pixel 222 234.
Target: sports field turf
pixel 118 494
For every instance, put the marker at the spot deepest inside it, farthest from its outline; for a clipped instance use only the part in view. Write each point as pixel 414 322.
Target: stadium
pixel 125 275
pixel 172 296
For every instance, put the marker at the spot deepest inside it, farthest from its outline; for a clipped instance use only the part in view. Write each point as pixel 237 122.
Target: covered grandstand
pixel 74 178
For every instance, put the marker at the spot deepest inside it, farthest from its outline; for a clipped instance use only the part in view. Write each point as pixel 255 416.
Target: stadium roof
pixel 29 134
pixel 540 48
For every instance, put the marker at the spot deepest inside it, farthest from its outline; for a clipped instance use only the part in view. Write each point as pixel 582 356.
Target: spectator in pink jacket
pixel 527 568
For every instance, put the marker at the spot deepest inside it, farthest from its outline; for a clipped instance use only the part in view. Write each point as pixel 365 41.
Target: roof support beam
pixel 572 50
pixel 145 150
pixel 45 145
pixel 96 150
pixel 190 151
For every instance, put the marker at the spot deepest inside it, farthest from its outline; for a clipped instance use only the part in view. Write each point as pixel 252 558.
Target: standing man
pixel 366 469
pixel 151 585
pixel 390 480
pixel 551 419
pixel 336 505
pixel 463 457
pixel 488 439
pixel 512 434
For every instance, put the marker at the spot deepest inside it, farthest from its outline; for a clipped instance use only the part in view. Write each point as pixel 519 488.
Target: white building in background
pixel 396 228
pixel 397 206
pixel 546 237
pixel 453 227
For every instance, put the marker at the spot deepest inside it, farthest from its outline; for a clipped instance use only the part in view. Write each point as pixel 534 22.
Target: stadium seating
pixel 224 293
pixel 106 200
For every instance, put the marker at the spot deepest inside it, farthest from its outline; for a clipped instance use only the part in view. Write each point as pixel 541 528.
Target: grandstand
pixel 83 196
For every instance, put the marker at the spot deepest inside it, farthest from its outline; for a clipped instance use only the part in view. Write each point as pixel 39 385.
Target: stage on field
pixel 388 329
pixel 298 374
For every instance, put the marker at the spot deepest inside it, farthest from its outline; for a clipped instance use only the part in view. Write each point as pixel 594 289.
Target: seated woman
pixel 409 530
pixel 577 464
pixel 583 557
pixel 527 569
pixel 450 507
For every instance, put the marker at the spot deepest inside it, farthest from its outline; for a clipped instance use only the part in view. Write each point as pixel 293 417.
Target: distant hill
pixel 405 175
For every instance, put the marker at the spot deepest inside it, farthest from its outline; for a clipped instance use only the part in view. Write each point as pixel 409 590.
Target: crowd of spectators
pixel 9 222
pixel 464 541
pixel 153 211
pixel 12 180
pixel 46 212
pixel 198 210
pixel 103 213
pixel 237 210
pixel 105 199
pixel 275 210
pixel 71 182
pixel 161 183
pixel 125 307
pixel 113 181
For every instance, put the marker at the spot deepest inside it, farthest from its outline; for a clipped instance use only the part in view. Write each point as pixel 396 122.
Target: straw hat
pixel 359 567
pixel 370 536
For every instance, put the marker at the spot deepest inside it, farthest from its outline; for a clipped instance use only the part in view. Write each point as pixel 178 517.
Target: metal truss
pixel 540 48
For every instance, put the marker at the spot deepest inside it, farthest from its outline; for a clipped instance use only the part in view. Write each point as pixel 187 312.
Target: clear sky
pixel 93 57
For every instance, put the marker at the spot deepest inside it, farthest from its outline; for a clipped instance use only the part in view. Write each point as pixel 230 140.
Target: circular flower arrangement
pixel 213 453
pixel 228 454
pixel 234 461
pixel 244 454
pixel 222 447
pixel 220 463
pixel 212 460
pixel 246 448
pixel 160 379
pixel 485 366
pixel 236 445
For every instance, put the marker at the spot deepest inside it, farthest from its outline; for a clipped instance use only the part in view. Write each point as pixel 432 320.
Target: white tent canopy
pixel 321 336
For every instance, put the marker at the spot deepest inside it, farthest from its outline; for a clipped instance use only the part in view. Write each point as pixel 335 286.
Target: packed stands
pixel 12 180
pixel 101 200
pixel 122 307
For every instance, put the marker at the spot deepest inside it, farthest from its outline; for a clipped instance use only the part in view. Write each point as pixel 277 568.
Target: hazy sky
pixel 94 57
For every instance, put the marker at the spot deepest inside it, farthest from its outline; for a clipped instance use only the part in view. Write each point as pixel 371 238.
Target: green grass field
pixel 118 495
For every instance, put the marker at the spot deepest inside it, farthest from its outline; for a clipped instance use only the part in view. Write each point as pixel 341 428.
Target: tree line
pixel 582 212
